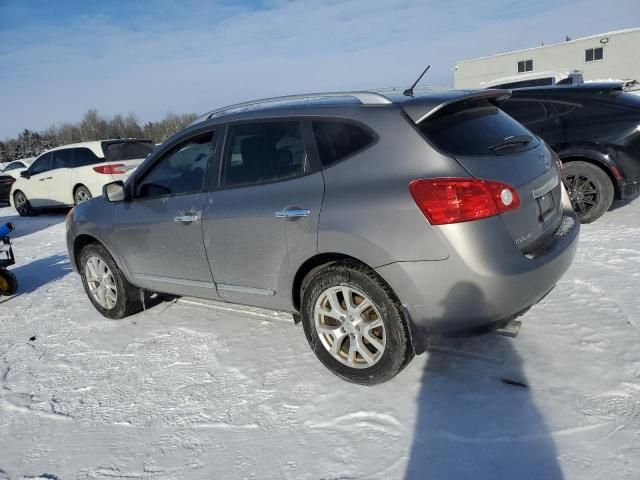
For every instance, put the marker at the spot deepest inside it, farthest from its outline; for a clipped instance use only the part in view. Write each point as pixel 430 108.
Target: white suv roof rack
pixel 365 98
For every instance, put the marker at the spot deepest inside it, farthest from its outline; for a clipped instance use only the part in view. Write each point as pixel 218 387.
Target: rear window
pixel 117 151
pixel 337 140
pixel 471 129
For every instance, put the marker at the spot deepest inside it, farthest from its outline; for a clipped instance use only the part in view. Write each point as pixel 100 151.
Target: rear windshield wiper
pixel 512 141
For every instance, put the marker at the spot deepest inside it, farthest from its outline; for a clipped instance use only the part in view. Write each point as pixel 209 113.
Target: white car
pixel 68 175
pixel 17 166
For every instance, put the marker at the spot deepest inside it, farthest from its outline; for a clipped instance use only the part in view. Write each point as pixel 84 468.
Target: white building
pixel 612 55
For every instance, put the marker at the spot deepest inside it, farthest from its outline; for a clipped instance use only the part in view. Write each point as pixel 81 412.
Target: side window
pixel 338 139
pixel 14 166
pixel 42 164
pixel 62 158
pixel 83 157
pixel 179 171
pixel 524 111
pixel 263 152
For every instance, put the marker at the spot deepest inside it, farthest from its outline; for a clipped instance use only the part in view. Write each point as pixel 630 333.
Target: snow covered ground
pixel 195 390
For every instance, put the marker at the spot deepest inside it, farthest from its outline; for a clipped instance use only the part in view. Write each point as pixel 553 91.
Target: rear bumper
pixel 485 280
pixel 5 191
pixel 629 189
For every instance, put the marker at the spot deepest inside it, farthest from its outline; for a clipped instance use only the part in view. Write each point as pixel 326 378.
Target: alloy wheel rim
pixel 81 196
pixel 350 327
pixel 102 285
pixel 20 202
pixel 583 193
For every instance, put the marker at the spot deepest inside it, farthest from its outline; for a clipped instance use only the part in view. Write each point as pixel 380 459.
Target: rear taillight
pixel 111 169
pixel 8 180
pixel 454 200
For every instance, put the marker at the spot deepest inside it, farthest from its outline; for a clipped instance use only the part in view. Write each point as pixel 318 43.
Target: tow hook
pixel 510 330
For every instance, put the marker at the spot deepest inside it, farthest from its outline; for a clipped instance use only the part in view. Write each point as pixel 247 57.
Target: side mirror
pixel 114 191
pixel 25 174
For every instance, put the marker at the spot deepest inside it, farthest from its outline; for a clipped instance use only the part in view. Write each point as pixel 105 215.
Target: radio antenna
pixel 409 91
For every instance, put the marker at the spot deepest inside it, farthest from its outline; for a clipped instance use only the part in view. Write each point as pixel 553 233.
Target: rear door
pixel 473 132
pixel 36 187
pixel 159 232
pixel 59 178
pixel 262 218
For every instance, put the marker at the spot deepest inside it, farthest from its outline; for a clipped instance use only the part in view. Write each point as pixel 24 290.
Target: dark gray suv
pixel 376 219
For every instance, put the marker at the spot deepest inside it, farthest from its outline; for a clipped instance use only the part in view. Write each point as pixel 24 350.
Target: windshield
pixel 116 151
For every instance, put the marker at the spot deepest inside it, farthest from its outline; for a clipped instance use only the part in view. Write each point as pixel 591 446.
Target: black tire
pixel 398 350
pixel 128 300
pixel 22 204
pixel 590 189
pixel 8 283
pixel 81 194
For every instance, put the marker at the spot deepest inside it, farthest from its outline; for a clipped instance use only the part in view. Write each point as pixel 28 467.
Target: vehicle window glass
pixel 62 159
pixel 84 156
pixel 525 111
pixel 179 171
pixel 564 108
pixel 117 151
pixel 336 139
pixel 263 152
pixel 14 166
pixel 42 164
pixel 470 129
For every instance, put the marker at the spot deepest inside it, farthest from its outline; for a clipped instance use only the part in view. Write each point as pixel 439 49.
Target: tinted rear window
pixel 337 140
pixel 126 150
pixel 470 129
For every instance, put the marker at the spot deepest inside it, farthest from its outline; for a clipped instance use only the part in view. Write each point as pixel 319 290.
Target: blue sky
pixel 60 58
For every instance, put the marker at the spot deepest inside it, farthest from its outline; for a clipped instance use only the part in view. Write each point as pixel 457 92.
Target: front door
pixel 159 231
pixel 36 187
pixel 266 208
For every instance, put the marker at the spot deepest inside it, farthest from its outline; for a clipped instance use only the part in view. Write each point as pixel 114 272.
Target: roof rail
pixel 365 98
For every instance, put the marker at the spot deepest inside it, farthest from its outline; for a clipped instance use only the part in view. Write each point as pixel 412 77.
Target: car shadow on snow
pixel 28 225
pixel 476 417
pixel 32 276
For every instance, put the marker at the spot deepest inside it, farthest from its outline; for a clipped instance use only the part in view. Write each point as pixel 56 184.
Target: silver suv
pixel 375 219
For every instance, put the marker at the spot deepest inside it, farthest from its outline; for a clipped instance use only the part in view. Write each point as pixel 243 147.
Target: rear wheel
pixel 106 286
pixel 8 282
pixel 22 204
pixel 590 189
pixel 355 325
pixel 81 194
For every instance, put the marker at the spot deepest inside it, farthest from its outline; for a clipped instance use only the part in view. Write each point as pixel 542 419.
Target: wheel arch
pixel 597 162
pixel 312 265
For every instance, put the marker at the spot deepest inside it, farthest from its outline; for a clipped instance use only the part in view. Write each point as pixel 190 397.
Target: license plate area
pixel 545 199
pixel 546 206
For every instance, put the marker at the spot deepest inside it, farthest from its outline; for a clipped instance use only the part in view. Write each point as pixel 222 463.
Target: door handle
pixel 42 179
pixel 49 178
pixel 185 218
pixel 300 212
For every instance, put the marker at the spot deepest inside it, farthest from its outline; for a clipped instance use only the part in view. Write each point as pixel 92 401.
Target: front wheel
pixel 107 288
pixel 355 325
pixel 8 282
pixel 590 189
pixel 22 204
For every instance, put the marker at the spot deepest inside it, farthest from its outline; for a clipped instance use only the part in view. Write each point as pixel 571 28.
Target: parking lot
pixel 189 388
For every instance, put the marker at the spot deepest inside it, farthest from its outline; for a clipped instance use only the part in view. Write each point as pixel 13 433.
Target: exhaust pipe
pixel 510 330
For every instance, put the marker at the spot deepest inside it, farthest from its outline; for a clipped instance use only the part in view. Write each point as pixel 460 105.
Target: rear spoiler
pixel 420 109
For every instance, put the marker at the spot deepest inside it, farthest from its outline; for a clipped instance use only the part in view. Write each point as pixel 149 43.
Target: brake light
pixel 454 200
pixel 8 180
pixel 111 169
